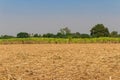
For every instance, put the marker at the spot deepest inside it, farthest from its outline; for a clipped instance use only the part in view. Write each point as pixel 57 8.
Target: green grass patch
pixel 58 40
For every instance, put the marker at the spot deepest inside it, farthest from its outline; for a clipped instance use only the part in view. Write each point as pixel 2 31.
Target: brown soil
pixel 60 62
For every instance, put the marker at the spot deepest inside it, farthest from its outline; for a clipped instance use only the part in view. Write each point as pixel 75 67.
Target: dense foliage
pixel 23 35
pixel 96 31
pixel 99 30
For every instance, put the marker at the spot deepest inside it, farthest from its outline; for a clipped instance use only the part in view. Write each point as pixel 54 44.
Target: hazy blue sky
pixel 43 16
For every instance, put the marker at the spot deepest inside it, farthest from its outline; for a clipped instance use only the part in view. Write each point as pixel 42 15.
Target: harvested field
pixel 60 62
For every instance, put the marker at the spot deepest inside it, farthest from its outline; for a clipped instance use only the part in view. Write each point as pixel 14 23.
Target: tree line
pixel 96 31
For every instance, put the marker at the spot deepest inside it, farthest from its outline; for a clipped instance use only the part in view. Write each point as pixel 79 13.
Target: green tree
pixel 85 36
pixel 99 30
pixel 76 35
pixel 49 35
pixel 6 36
pixel 66 32
pixel 36 35
pixel 23 35
pixel 114 34
pixel 60 35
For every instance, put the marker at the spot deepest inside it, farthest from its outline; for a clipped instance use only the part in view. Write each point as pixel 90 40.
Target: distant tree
pixel 23 35
pixel 76 35
pixel 6 36
pixel 84 36
pixel 60 35
pixel 36 35
pixel 65 32
pixel 118 35
pixel 99 30
pixel 49 35
pixel 114 34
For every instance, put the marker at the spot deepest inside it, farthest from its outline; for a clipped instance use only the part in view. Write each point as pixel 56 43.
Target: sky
pixel 48 16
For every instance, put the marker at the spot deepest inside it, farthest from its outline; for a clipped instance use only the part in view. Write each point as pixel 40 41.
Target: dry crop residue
pixel 60 62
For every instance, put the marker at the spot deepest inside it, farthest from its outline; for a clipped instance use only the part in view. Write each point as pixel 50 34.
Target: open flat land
pixel 60 62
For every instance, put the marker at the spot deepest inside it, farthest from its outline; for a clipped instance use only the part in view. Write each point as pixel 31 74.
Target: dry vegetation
pixel 60 62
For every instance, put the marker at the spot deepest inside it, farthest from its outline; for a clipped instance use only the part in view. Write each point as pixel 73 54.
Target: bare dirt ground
pixel 60 62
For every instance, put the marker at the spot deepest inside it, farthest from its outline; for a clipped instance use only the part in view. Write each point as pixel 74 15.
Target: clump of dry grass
pixel 60 62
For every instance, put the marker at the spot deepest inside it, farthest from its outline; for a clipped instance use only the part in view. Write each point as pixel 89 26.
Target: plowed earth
pixel 60 62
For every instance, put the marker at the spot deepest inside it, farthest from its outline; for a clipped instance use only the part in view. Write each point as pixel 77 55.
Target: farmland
pixel 60 61
pixel 58 40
